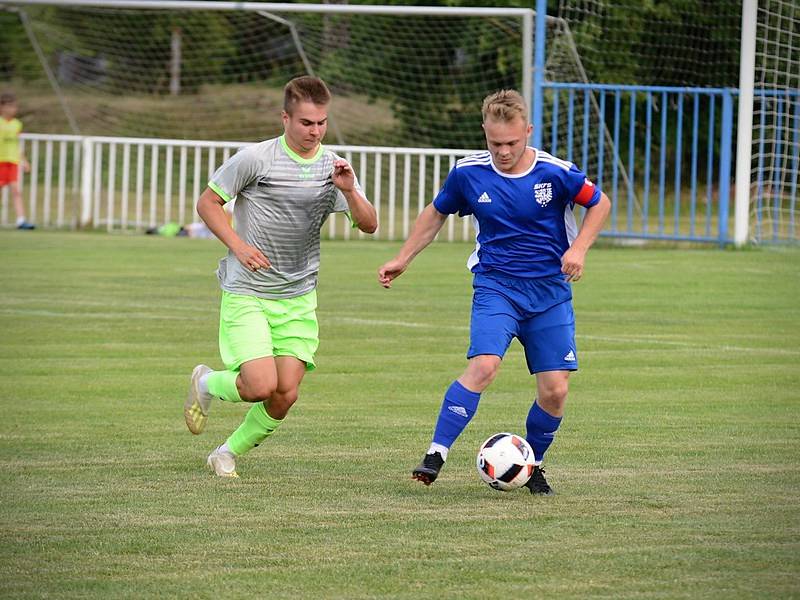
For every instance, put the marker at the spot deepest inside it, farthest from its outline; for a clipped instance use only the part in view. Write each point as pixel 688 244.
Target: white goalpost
pixel 745 124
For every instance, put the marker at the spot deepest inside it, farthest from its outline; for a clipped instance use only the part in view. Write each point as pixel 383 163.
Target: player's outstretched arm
pixel 427 225
pixel 574 258
pixel 211 209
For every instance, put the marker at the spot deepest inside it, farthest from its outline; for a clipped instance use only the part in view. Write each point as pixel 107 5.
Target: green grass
pixel 677 467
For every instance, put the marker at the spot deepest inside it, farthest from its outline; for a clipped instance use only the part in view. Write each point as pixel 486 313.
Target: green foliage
pixel 17 58
pixel 680 42
pixel 147 35
pixel 460 66
pixel 655 42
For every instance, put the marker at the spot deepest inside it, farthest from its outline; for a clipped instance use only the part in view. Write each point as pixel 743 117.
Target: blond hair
pixel 505 106
pixel 305 89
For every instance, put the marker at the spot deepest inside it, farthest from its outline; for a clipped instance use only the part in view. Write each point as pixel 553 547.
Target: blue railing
pixel 631 139
pixel 665 156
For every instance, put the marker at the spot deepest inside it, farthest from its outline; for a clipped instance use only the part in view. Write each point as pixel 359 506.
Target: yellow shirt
pixel 9 140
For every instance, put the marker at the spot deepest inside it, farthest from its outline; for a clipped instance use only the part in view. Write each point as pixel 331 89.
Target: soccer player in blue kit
pixel 528 251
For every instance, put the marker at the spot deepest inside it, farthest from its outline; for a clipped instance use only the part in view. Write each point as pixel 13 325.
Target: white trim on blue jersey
pixel 481 158
pixel 549 158
pixel 570 224
pixel 473 258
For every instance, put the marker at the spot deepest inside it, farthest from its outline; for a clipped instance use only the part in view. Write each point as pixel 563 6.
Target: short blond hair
pixel 305 89
pixel 505 106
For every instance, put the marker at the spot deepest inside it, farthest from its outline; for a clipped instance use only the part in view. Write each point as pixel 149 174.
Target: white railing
pixel 136 183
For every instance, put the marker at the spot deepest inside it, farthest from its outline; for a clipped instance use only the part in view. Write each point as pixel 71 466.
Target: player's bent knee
pixel 280 403
pixel 287 398
pixel 482 371
pixel 257 392
pixel 554 394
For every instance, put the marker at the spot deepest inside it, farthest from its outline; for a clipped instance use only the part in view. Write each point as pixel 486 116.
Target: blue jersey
pixel 524 222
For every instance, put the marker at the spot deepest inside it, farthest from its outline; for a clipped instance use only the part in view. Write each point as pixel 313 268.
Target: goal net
pixel 639 57
pixel 775 161
pixel 398 80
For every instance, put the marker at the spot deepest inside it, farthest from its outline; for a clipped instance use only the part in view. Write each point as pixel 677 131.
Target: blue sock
pixel 541 430
pixel 458 407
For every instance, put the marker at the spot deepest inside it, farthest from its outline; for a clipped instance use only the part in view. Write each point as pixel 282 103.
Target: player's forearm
pixel 593 223
pixel 362 212
pixel 427 225
pixel 213 213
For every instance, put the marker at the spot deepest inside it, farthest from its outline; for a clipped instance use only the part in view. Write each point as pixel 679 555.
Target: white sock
pixel 20 221
pixel 440 449
pixel 224 448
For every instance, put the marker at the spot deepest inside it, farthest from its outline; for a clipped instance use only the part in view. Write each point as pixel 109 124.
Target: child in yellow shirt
pixel 10 156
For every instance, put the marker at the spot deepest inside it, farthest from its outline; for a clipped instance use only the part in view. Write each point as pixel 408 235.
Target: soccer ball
pixel 505 461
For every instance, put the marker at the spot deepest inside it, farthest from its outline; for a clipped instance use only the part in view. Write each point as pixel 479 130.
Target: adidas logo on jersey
pixel 459 410
pixel 570 357
pixel 484 198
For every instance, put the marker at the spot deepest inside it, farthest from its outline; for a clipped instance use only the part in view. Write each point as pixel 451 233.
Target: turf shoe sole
pixel 197 405
pixel 428 470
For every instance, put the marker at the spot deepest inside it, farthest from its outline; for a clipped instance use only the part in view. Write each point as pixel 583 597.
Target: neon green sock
pixel 256 427
pixel 222 384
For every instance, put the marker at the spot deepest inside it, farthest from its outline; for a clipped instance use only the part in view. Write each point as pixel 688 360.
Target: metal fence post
pixel 537 118
pixel 726 142
pixel 87 172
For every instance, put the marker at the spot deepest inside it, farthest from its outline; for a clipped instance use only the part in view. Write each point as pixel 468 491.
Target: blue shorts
pixel 538 312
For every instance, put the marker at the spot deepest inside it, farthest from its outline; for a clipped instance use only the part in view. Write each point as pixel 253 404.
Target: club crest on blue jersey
pixel 543 192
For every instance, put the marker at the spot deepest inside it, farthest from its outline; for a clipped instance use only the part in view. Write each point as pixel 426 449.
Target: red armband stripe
pixel 584 196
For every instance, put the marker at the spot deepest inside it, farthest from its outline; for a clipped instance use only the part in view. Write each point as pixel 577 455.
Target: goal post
pixel 744 138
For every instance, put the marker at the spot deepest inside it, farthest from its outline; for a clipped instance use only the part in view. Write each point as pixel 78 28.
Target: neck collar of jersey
pixel 524 173
pixel 296 157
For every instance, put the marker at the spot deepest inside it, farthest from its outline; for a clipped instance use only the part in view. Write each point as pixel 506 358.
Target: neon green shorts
pixel 252 327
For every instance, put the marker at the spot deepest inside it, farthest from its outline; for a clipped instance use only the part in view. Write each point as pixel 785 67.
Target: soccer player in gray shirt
pixel 285 188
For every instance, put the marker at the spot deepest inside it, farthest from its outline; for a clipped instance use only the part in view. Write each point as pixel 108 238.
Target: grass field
pixel 677 467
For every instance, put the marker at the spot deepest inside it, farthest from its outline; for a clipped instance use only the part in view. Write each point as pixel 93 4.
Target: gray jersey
pixel 282 201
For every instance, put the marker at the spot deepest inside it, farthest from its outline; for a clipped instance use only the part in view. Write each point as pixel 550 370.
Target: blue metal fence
pixel 665 156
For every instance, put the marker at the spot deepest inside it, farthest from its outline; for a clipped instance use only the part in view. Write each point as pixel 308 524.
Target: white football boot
pixel 197 405
pixel 223 463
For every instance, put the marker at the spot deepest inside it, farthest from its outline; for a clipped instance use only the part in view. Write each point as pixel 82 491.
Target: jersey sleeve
pixel 579 189
pixel 450 200
pixel 235 174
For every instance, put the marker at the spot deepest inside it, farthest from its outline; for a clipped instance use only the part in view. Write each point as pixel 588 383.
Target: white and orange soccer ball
pixel 505 461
